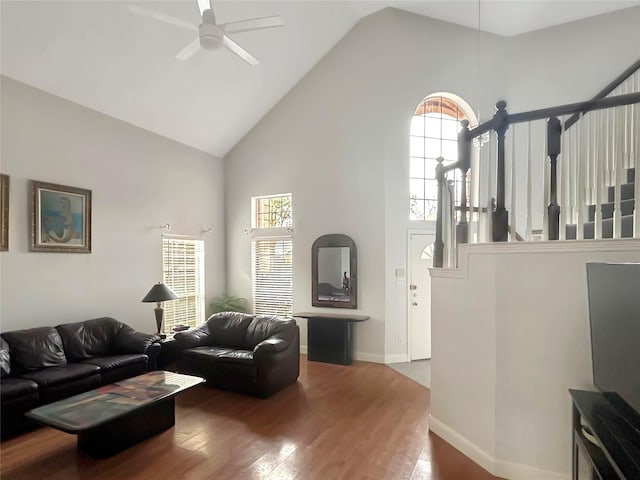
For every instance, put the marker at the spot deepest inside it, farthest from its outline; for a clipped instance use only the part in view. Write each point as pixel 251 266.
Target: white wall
pixel 139 181
pixel 506 356
pixel 339 142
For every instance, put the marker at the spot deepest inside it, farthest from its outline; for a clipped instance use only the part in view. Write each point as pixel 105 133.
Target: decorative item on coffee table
pixel 159 293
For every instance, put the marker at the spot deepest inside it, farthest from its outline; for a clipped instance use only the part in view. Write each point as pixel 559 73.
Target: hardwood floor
pixel 365 421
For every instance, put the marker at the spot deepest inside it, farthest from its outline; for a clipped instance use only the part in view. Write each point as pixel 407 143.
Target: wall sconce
pixel 207 231
pixel 166 227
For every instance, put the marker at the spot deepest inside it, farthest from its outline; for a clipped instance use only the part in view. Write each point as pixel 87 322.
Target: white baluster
pixel 528 181
pixel 563 179
pixel 514 233
pixel 581 154
pixel 618 174
pixel 601 173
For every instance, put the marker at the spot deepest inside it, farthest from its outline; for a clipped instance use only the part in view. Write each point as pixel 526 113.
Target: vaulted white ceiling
pixel 100 55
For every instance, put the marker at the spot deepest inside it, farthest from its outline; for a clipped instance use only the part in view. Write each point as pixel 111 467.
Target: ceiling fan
pixel 211 35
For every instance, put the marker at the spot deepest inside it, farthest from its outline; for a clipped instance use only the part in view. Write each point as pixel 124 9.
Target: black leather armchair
pixel 258 355
pixel 45 364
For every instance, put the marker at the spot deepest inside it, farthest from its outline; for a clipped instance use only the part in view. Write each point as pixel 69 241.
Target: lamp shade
pixel 159 293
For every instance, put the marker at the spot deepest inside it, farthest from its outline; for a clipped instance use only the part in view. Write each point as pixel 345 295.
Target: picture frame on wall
pixel 4 212
pixel 61 218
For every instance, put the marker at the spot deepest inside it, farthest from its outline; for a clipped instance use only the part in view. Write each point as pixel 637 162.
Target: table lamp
pixel 159 293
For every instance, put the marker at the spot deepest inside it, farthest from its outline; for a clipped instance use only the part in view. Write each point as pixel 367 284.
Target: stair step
pixel 626 206
pixel 626 192
pixel 631 175
pixel 607 229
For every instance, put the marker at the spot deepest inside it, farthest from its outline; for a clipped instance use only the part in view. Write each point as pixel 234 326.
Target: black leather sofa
pixel 258 355
pixel 45 364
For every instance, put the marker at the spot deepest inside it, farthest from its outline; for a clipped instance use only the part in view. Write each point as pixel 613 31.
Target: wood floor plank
pixel 359 422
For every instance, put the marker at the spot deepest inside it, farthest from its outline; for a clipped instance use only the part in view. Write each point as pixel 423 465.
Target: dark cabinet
pixel 603 440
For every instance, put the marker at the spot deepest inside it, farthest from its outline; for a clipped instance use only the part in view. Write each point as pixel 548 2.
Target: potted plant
pixel 228 303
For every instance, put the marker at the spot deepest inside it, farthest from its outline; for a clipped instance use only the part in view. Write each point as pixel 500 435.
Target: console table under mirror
pixel 330 336
pixel 334 272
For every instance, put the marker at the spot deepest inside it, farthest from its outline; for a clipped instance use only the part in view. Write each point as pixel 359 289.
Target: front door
pixel 421 259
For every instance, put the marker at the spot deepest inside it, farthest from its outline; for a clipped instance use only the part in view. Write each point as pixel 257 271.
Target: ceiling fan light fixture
pixel 210 36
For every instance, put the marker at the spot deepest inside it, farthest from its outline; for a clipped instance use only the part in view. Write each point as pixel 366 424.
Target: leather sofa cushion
pixel 127 340
pixel 237 356
pixel 5 358
pixel 228 329
pixel 62 374
pixel 236 369
pixel 54 392
pixel 16 387
pixel 91 338
pixel 208 353
pixel 193 338
pixel 35 348
pixel 212 361
pixel 112 375
pixel 263 327
pixel 116 361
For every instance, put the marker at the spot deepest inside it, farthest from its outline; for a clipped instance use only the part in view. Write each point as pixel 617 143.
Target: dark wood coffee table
pixel 111 418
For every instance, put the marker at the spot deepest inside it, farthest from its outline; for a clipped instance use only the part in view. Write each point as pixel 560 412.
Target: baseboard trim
pixel 518 471
pixel 499 468
pixel 368 357
pixel 399 358
pixel 362 356
pixel 462 444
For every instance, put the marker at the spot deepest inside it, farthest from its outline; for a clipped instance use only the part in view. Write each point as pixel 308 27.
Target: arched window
pixel 434 133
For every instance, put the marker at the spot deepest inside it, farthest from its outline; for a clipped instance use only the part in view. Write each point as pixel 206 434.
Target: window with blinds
pixel 272 255
pixel 183 273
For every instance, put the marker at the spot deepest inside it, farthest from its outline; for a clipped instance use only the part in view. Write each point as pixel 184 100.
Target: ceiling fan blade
pixel 204 5
pixel 239 51
pixel 161 17
pixel 189 50
pixel 253 24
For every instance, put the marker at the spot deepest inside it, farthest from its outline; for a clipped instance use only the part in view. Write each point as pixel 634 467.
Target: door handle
pixel 412 287
pixel 415 304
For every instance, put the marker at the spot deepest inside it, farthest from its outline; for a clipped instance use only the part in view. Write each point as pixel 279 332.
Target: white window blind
pixel 183 272
pixel 272 272
pixel 271 254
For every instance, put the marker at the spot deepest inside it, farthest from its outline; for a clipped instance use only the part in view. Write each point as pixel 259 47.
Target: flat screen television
pixel 614 313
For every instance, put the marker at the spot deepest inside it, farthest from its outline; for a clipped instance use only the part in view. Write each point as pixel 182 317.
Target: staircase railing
pixel 589 150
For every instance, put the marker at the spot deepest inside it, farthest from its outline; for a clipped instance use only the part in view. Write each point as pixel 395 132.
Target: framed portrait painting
pixel 61 219
pixel 4 212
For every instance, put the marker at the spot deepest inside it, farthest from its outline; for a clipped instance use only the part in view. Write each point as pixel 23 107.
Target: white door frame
pixel 429 229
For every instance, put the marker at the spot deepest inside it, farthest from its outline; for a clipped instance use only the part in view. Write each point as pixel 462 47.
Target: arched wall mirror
pixel 334 273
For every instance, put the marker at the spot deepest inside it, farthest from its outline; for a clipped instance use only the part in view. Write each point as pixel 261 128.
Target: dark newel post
pixel 438 247
pixel 554 132
pixel 464 160
pixel 500 215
